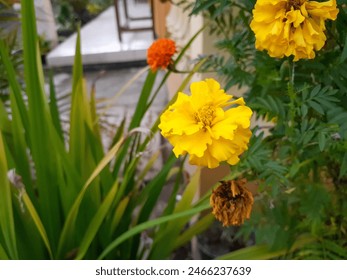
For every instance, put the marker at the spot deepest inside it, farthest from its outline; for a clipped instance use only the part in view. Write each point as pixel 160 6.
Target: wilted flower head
pixel 159 54
pixel 207 125
pixel 231 202
pixel 291 27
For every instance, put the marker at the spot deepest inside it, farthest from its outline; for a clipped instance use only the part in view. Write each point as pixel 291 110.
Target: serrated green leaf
pixel 308 136
pixel 316 106
pixel 273 104
pixel 338 116
pixel 315 91
pixel 294 168
pixel 304 110
pixel 321 141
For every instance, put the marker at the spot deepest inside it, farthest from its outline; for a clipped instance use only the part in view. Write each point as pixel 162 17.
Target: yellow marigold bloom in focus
pixel 291 27
pixel 207 125
pixel 159 54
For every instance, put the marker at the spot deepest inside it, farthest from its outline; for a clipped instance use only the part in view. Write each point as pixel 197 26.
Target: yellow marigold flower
pixel 291 27
pixel 159 54
pixel 207 125
pixel 231 202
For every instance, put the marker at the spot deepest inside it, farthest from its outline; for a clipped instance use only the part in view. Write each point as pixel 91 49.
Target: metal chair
pixel 126 27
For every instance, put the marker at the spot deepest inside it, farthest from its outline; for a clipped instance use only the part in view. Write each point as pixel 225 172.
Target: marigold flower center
pixel 205 115
pixel 296 4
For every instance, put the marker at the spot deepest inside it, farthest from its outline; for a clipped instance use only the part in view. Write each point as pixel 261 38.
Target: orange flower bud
pixel 159 54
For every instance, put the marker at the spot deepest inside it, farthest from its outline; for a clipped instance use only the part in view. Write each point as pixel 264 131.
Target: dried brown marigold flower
pixel 159 54
pixel 231 202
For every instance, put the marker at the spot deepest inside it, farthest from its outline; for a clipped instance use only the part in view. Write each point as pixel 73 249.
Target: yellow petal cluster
pixel 291 27
pixel 208 125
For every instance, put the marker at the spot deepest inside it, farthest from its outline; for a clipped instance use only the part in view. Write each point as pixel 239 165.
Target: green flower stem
pixel 185 82
pixel 291 95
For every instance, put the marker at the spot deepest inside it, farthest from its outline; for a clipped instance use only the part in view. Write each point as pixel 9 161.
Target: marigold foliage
pixel 291 27
pixel 207 125
pixel 159 54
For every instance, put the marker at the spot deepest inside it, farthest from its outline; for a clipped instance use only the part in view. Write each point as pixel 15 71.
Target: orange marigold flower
pixel 231 202
pixel 159 54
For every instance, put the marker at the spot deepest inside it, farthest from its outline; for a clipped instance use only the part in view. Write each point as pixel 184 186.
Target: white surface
pixel 100 44
pixel 45 21
pixel 172 269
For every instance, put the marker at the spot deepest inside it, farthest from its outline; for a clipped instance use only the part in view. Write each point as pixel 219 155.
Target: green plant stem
pixel 291 95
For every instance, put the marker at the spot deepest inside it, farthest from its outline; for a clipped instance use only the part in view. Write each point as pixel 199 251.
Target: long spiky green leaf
pixel 6 212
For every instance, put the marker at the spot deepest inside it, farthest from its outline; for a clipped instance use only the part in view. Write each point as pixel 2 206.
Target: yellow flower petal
pixel 194 144
pixel 206 160
pixel 294 27
pixel 324 10
pixel 200 126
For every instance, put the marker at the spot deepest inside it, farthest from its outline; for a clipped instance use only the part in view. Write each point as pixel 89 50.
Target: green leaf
pixel 96 222
pixel 141 107
pixel 304 110
pixel 170 232
pixel 122 205
pixel 263 252
pixel 149 224
pixel 315 91
pixel 3 255
pixel 69 225
pixel 6 211
pixel 16 89
pixel 295 167
pixel 321 141
pixel 5 124
pixel 42 138
pixel 186 47
pixel 80 114
pixel 94 115
pixel 332 246
pixel 20 153
pixel 140 111
pixel 316 106
pixel 54 107
pixel 151 192
pixel 34 215
pixel 200 226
